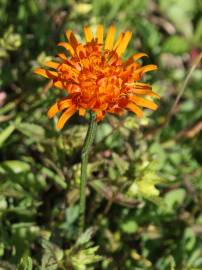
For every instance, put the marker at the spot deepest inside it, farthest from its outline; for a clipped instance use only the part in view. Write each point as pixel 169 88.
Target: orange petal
pixel 142 85
pixel 82 112
pixel 65 116
pixel 46 73
pixel 67 46
pixel 62 56
pixel 80 51
pixel 52 64
pixel 113 58
pixel 137 74
pixel 41 72
pixel 88 34
pixel 134 58
pixel 69 67
pixel 124 43
pixel 124 74
pixel 133 66
pixel 139 55
pixel 146 92
pixel 72 40
pixel 144 102
pixel 110 38
pixel 132 107
pixel 155 95
pixel 58 84
pixel 99 33
pixel 52 74
pixel 139 85
pixel 120 37
pixel 64 104
pixel 53 110
pixel 147 68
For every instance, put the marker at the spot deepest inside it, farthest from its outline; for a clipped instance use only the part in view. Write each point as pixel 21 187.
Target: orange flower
pixel 96 78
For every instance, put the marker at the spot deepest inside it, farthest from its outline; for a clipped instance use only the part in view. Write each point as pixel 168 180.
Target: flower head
pixel 95 77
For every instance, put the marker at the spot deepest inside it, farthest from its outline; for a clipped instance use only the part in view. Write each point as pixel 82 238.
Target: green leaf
pixel 72 214
pixel 25 263
pixel 84 257
pixel 31 130
pixel 121 164
pixel 129 226
pixel 59 180
pixel 11 41
pixel 173 199
pixel 172 263
pixel 175 45
pixel 85 237
pixel 5 134
pixel 150 34
pixel 14 166
pixel 145 183
pixel 7 107
pixel 83 253
pixel 104 130
pixel 3 203
pixel 198 33
pixel 52 255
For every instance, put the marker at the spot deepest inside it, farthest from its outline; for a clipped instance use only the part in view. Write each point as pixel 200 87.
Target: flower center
pixel 99 78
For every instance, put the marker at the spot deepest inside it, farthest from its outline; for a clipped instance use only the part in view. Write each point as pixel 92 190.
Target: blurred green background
pixel 145 176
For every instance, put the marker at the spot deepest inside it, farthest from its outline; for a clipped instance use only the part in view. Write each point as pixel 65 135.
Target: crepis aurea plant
pixel 95 78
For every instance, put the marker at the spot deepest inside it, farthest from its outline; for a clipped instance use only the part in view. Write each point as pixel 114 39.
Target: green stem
pixel 84 163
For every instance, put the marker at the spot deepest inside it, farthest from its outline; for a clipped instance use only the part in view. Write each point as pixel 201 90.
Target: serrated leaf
pixel 85 257
pixel 145 183
pixel 52 250
pixel 25 263
pixel 85 237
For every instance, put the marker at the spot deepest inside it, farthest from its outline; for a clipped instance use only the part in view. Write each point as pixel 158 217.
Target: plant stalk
pixel 84 163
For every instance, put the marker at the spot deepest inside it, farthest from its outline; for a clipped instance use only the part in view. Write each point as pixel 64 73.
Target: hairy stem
pixel 84 163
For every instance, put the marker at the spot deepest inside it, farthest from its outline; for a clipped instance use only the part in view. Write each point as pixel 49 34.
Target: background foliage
pixel 145 177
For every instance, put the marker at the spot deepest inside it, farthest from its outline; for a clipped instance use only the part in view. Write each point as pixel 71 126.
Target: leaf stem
pixel 84 163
